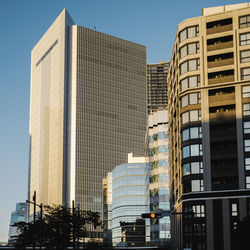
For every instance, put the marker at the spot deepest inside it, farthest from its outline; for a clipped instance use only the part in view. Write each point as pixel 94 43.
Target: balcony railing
pixel 220 63
pixel 218 29
pixel 221 45
pixel 222 115
pixel 223 99
pixel 221 79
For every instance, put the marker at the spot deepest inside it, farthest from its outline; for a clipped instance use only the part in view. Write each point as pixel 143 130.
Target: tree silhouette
pixel 59 228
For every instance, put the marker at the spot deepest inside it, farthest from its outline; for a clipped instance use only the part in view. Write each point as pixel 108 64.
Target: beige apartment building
pixel 209 128
pixel 87 112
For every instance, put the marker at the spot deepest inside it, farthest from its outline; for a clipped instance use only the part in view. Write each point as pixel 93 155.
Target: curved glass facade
pixel 130 200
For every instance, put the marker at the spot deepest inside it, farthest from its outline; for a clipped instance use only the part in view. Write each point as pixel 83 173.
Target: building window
pixel 247 145
pixel 245 39
pixel 191 133
pixel 245 56
pixel 246 109
pixel 199 210
pixel 192 150
pixel 197 186
pixel 163 149
pixel 244 21
pixel 234 209
pixel 193 168
pixel 247 163
pixel 246 126
pixel 189 49
pixel 190 65
pixel 246 91
pixel 191 116
pixel 163 163
pixel 245 73
pixel 190 82
pixel 189 32
pixel 190 99
pixel 247 182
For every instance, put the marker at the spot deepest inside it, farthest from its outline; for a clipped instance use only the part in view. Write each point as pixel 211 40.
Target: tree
pixel 59 227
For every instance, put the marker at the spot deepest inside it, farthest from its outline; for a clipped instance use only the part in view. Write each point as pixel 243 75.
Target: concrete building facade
pixel 87 111
pixel 208 109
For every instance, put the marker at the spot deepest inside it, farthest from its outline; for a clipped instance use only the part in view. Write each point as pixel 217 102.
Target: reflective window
pixel 189 32
pixel 246 126
pixel 192 150
pixel 197 186
pixel 190 65
pixel 246 109
pixel 245 39
pixel 189 49
pixel 190 99
pixel 244 21
pixel 190 82
pixel 247 163
pixel 247 182
pixel 245 56
pixel 247 145
pixel 246 91
pixel 191 116
pixel 245 73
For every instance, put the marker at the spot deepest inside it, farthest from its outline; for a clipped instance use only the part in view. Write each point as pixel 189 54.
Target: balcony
pixel 221 99
pixel 221 79
pixel 220 45
pixel 220 63
pixel 218 29
pixel 221 116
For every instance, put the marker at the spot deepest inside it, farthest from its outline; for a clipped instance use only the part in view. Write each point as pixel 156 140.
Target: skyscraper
pixel 209 110
pixel 157 96
pixel 87 111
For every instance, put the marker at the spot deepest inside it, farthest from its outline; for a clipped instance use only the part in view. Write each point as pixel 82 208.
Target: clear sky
pixel 149 22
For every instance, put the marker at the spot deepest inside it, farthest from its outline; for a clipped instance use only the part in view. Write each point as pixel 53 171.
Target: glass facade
pixel 19 215
pixel 130 199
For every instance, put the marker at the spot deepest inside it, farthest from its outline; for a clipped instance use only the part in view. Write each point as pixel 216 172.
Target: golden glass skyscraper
pixel 87 111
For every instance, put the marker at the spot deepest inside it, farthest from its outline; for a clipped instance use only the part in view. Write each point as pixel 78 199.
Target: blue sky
pixel 23 22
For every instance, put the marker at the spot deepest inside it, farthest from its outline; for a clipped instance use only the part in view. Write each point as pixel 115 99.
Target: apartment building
pixel 209 128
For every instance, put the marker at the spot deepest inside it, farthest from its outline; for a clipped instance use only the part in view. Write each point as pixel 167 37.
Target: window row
pixel 190 99
pixel 192 150
pixel 198 211
pixel 189 49
pixel 245 39
pixel 247 182
pixel 189 32
pixel 193 168
pixel 191 133
pixel 160 163
pixel 190 82
pixel 190 65
pixel 191 116
pixel 247 163
pixel 159 136
pixel 155 151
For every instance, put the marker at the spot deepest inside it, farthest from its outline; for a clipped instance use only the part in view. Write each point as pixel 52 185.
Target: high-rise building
pixel 19 215
pixel 157 86
pixel 209 108
pixel 158 171
pixel 87 111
